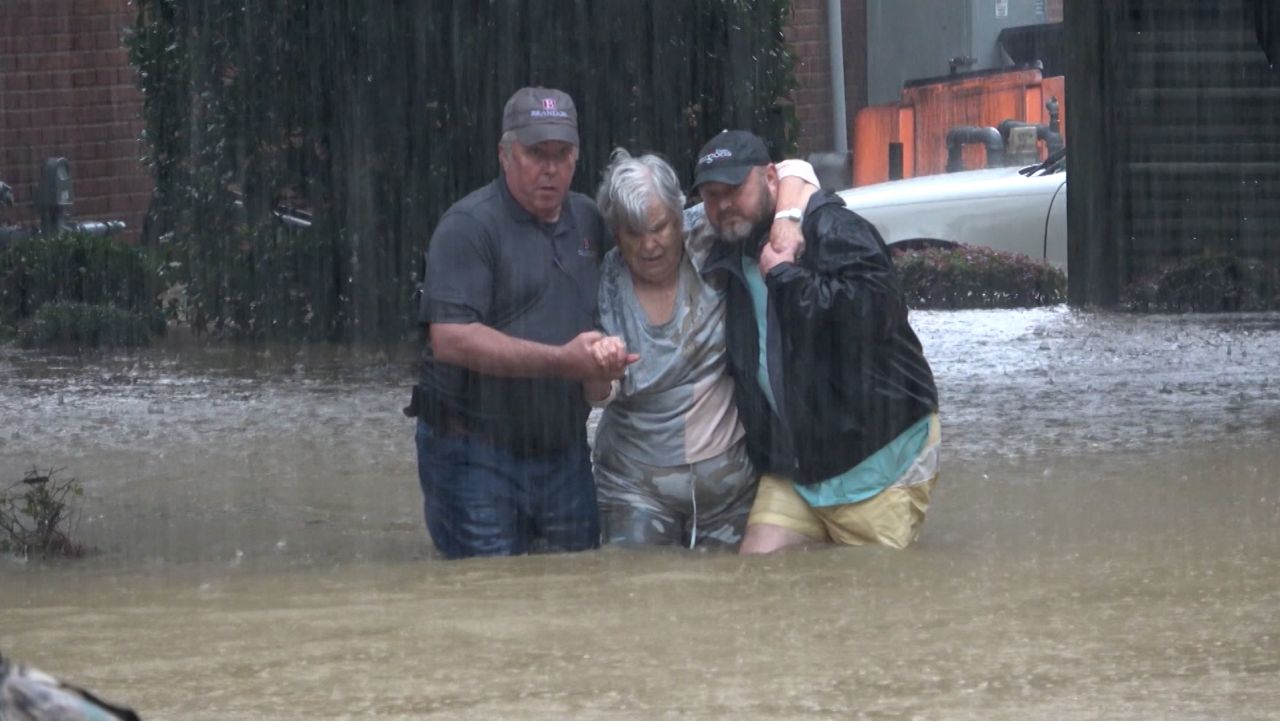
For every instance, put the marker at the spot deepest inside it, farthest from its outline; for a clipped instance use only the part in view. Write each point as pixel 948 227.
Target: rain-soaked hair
pixel 630 185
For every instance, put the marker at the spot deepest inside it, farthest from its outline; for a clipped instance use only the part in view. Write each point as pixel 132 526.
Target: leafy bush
pixel 974 277
pixel 377 116
pixel 79 290
pixel 36 517
pixel 259 283
pixel 1207 284
pixel 74 267
pixel 80 325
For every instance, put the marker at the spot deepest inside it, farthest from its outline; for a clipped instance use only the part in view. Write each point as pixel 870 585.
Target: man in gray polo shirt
pixel 509 300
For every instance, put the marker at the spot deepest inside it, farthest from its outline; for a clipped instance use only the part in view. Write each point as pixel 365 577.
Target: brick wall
pixel 67 89
pixel 807 36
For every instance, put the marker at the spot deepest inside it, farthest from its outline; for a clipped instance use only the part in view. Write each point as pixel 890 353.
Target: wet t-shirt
pixel 675 405
pixel 491 262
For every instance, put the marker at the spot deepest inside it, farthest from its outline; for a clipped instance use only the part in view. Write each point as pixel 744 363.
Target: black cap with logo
pixel 536 115
pixel 729 157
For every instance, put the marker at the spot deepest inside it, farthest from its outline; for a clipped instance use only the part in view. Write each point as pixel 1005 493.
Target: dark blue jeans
pixel 479 499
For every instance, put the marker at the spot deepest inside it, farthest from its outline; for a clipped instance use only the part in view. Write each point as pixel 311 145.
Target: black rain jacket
pixel 847 371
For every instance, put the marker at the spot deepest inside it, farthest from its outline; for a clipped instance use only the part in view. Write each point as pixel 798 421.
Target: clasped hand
pixel 593 356
pixel 786 243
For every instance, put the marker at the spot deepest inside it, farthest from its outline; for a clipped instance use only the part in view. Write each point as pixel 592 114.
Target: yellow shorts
pixel 892 518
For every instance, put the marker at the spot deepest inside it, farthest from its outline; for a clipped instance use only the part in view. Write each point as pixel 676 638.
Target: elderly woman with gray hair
pixel 670 464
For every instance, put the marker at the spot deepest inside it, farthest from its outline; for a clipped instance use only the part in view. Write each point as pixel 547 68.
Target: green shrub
pixel 974 277
pixel 74 268
pixel 378 116
pixel 1207 284
pixel 81 325
pixel 263 282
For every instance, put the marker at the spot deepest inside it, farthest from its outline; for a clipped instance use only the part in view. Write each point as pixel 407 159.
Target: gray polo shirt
pixel 492 262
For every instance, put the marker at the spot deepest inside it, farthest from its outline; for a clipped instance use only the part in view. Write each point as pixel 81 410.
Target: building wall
pixel 66 89
pixel 807 36
pixel 1176 148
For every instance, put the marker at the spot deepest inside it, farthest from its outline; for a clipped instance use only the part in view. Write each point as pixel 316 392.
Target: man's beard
pixel 744 228
pixel 759 235
pixel 736 230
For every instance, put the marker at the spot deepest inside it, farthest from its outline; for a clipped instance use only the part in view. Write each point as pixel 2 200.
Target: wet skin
pixel 737 210
pixel 653 256
pixel 539 175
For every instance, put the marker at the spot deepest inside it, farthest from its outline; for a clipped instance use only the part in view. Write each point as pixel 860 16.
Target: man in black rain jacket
pixel 831 383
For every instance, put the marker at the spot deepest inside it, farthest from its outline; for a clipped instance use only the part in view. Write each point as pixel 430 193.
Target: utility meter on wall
pixel 54 197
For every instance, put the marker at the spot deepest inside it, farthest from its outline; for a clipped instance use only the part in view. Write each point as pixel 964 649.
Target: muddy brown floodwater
pixel 1104 543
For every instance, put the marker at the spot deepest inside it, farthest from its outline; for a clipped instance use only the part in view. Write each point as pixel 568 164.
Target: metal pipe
pixel 292 220
pixel 96 227
pixel 835 44
pixel 962 135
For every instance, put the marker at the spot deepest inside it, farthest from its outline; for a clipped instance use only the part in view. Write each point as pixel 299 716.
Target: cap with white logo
pixel 729 157
pixel 536 115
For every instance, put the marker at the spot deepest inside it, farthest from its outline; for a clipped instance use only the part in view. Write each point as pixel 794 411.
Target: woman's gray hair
pixel 630 185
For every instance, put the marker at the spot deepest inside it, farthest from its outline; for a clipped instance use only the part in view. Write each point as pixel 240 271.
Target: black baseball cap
pixel 729 157
pixel 536 115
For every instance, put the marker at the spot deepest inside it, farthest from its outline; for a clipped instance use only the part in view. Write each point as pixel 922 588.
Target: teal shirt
pixel 876 472
pixel 760 307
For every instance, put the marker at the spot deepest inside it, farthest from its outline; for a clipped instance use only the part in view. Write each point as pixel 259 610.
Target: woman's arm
pixel 609 352
pixel 796 183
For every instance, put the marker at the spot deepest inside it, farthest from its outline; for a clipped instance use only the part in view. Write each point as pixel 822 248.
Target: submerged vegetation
pixel 36 515
pixel 974 277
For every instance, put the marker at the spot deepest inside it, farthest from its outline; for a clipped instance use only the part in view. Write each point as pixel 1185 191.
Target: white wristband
pixel 790 214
